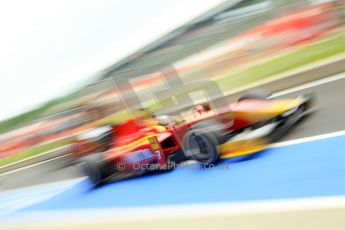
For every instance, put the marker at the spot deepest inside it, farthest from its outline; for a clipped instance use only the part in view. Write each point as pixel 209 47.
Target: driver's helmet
pixel 164 120
pixel 199 109
pixel 202 108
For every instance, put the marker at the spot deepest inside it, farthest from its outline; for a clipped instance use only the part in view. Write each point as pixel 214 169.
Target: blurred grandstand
pixel 228 38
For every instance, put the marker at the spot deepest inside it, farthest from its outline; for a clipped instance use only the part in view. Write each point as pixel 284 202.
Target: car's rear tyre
pixel 202 140
pixel 254 95
pixel 95 168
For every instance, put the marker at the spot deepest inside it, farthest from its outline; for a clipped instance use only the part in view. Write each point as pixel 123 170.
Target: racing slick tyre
pixel 202 140
pixel 254 94
pixel 95 168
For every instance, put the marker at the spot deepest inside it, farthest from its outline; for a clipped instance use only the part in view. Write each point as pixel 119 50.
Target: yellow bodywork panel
pixel 267 112
pixel 245 146
pixel 235 148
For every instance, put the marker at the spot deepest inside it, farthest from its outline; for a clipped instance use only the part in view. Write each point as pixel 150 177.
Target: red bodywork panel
pixel 132 147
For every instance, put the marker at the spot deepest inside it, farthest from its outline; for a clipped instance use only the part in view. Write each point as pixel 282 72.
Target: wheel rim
pixel 199 148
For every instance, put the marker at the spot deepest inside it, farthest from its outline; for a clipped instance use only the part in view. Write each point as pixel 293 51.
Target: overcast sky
pixel 49 47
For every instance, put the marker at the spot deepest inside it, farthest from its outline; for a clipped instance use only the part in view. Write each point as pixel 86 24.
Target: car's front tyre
pixel 202 140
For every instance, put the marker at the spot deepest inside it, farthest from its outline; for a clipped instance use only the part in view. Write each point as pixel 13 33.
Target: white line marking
pixel 310 85
pixel 33 165
pixel 184 211
pixel 309 139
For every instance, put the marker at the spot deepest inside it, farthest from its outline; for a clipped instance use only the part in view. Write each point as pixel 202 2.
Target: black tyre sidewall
pixel 93 167
pixel 209 139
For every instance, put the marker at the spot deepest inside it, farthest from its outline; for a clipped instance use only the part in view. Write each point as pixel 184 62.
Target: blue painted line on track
pixel 303 170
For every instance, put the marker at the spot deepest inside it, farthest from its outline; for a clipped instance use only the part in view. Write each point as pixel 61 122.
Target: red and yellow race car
pixel 148 143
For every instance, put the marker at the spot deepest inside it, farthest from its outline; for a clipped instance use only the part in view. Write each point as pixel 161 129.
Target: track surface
pixel 310 169
pixel 330 117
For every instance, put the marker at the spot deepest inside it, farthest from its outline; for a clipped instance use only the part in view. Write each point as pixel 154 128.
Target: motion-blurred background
pixel 234 43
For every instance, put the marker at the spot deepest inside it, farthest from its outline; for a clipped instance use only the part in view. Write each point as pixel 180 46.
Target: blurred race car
pixel 149 144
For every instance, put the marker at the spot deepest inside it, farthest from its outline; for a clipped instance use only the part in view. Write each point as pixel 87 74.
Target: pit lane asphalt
pixel 329 117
